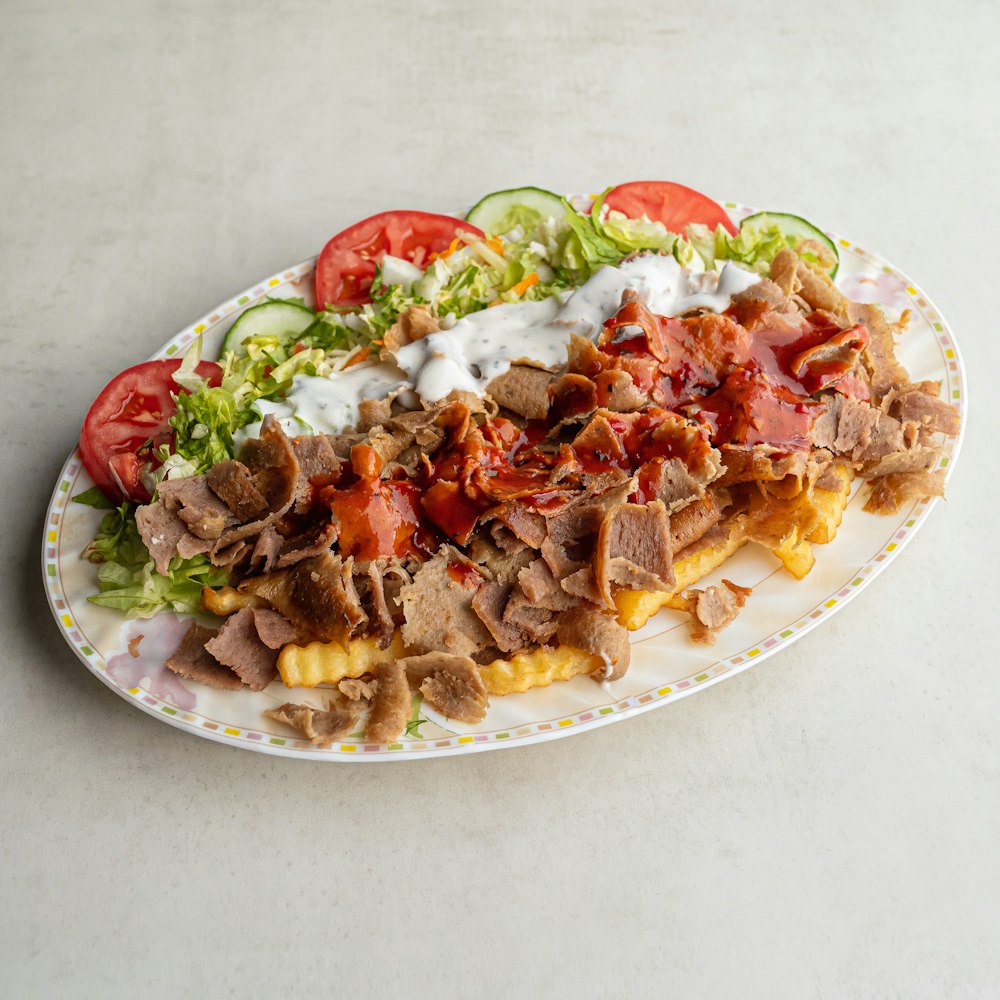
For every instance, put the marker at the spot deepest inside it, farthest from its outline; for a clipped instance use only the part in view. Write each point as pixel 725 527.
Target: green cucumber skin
pixel 488 210
pixel 256 316
pixel 795 225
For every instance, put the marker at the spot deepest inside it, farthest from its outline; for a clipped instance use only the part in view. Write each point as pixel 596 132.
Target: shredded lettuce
pixel 755 246
pixel 127 579
pixel 627 234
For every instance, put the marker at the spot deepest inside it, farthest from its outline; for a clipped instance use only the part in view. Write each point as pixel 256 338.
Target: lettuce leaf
pixel 93 497
pixel 628 234
pixel 127 579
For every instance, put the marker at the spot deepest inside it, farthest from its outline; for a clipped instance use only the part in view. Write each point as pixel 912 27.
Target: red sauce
pixel 749 409
pixel 740 387
pixel 366 461
pixel 379 520
pixel 446 505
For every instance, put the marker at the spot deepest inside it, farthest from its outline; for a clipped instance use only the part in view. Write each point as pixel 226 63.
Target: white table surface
pixel 824 825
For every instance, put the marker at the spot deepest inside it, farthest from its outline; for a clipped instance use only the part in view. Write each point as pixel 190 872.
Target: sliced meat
pixel 819 290
pixel 633 550
pixel 713 609
pixel 266 550
pixel 390 704
pixel 415 323
pixel 501 566
pixel 669 480
pixel 310 594
pixel 921 404
pixel 358 688
pixel 233 484
pixel 271 459
pixel 383 620
pixel 306 545
pixel 594 632
pixel 191 545
pixel 527 525
pixel 489 604
pixel 921 458
pixel 574 396
pixel 541 588
pixel 230 557
pixel 784 272
pixel 886 438
pixel 853 424
pixel 567 545
pixel 891 492
pixel 505 539
pixel 617 392
pixel 343 443
pixel 886 372
pixel 760 464
pixel 692 522
pixel 355 613
pixel 582 584
pixel 193 661
pixel 389 445
pixel 238 646
pixel 320 727
pixel 522 390
pixel 274 630
pixel 751 305
pixel 449 683
pixel 598 438
pixel 316 458
pixel 437 607
pixel 373 413
pixel 537 623
pixel 196 505
pixel 160 530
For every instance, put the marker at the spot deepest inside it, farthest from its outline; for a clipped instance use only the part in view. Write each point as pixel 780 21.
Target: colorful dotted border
pixel 192 722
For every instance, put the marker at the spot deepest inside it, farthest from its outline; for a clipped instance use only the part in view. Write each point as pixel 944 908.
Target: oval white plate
pixel 665 665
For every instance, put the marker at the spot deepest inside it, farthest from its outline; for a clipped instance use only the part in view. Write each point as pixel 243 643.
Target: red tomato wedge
pixel 675 205
pixel 128 421
pixel 346 267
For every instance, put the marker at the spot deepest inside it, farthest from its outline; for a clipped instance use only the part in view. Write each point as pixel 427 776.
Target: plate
pixel 665 666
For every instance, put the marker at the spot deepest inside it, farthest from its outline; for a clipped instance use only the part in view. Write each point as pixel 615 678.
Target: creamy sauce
pixel 483 345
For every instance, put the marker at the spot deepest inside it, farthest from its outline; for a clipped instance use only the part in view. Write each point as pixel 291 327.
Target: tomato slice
pixel 128 421
pixel 675 205
pixel 346 267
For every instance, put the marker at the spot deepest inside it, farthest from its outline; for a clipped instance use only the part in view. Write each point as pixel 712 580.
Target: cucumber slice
pixel 501 211
pixel 795 229
pixel 269 319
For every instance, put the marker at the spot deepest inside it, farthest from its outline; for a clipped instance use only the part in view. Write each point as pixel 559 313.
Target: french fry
pixel 831 505
pixel 636 607
pixel 539 668
pixel 797 555
pixel 227 601
pixel 329 662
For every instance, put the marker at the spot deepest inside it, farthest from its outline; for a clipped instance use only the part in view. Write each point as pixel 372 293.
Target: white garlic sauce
pixel 483 345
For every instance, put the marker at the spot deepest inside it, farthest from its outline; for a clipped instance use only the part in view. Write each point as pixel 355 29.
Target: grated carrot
pixel 524 284
pixel 495 244
pixel 452 247
pixel 362 355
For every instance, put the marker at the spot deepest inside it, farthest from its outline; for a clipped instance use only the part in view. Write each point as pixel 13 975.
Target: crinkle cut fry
pixel 537 668
pixel 329 662
pixel 822 512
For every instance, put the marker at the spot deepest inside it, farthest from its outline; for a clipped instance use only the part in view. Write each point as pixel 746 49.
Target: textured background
pixel 824 825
